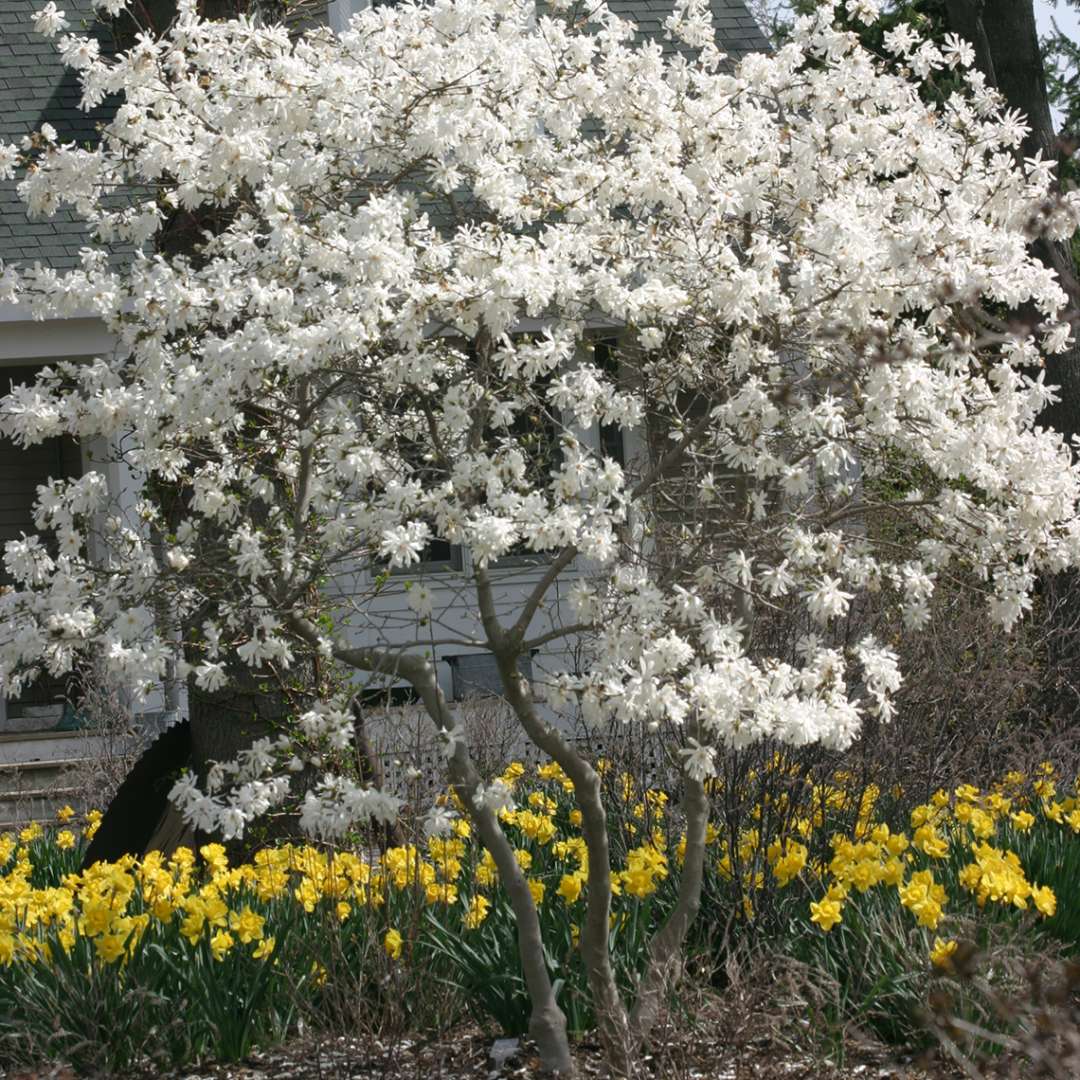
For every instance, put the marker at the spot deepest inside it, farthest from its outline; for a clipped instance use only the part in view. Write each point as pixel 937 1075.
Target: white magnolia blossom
pixel 452 739
pixel 338 804
pixel 421 599
pixel 698 761
pixel 49 21
pixel 439 821
pixel 384 339
pixel 496 797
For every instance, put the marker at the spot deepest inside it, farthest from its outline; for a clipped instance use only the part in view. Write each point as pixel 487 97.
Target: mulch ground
pixel 467 1055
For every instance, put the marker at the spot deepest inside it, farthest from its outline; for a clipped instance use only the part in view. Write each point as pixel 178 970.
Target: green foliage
pixel 1049 856
pixel 875 968
pixel 897 891
pixel 1061 57
pixel 482 963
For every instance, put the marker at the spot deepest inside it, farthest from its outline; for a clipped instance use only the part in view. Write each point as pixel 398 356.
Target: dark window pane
pixel 605 352
pixel 440 556
pixel 477 675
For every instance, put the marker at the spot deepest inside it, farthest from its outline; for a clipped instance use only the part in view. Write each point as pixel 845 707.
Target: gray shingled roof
pixel 35 88
pixel 739 31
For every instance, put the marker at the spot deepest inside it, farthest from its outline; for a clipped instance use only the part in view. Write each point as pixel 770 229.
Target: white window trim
pixel 339 12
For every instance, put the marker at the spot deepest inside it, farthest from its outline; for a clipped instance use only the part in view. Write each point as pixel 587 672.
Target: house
pixel 35 89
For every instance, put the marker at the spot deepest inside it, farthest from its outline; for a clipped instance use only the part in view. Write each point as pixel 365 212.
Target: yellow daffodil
pixel 570 887
pixel 392 943
pixel 221 943
pixel 941 953
pixel 826 913
pixel 477 912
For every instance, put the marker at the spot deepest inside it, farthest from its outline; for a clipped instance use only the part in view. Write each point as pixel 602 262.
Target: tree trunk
pixel 371 772
pixel 611 1018
pixel 666 949
pixel 1006 43
pixel 225 722
pixel 547 1023
pixel 1007 52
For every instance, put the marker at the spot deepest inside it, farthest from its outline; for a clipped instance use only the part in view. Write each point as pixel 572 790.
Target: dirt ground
pixel 467 1055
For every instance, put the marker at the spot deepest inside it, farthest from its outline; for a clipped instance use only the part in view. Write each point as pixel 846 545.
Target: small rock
pixel 502 1050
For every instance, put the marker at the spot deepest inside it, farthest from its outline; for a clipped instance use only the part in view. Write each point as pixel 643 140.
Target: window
pixel 22 470
pixel 439 557
pixel 339 12
pixel 606 355
pixel 477 675
pixel 536 433
pixel 535 429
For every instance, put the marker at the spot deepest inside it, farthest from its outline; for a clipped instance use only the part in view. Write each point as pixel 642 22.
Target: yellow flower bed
pixel 955 850
pixel 955 847
pixel 115 905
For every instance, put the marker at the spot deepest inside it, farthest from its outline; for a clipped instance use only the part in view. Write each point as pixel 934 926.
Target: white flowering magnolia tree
pixel 383 339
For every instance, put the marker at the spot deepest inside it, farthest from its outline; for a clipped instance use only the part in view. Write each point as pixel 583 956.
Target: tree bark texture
pixel 1007 51
pixel 224 722
pixel 611 1018
pixel 1006 43
pixel 547 1023
pixel 666 947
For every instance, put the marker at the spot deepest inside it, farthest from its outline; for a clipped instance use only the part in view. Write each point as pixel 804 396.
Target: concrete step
pixel 34 775
pixel 41 771
pixel 32 746
pixel 35 790
pixel 17 810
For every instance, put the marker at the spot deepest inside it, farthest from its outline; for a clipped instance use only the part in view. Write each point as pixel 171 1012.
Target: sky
pixel 1065 14
pixel 1068 20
